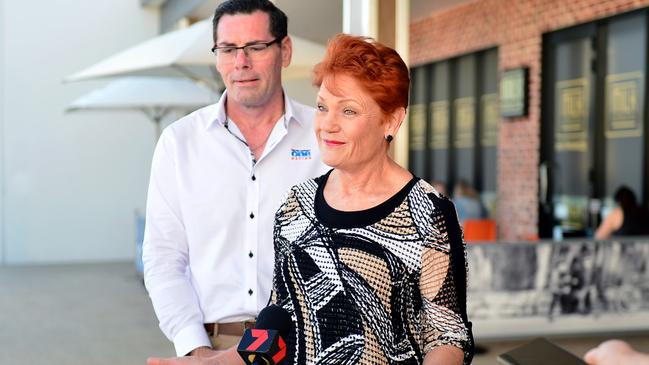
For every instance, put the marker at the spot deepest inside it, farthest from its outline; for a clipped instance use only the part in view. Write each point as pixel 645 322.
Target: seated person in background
pixel 467 202
pixel 615 352
pixel 440 187
pixel 626 219
pixel 369 259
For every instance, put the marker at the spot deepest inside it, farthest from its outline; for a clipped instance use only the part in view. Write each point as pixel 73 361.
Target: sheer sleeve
pixel 443 283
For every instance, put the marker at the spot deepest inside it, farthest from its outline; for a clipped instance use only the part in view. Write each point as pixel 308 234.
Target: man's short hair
pixel 278 20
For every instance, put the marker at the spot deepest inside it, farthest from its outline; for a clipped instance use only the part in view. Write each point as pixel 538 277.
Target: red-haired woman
pixel 369 260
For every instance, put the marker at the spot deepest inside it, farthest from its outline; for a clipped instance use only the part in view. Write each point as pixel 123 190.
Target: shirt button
pixel 249 291
pixel 250 254
pixel 252 215
pixel 254 178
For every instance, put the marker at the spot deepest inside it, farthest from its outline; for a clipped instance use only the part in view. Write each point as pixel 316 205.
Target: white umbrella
pixel 154 96
pixel 187 52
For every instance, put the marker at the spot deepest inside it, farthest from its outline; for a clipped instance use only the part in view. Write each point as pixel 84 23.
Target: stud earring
pixel 389 138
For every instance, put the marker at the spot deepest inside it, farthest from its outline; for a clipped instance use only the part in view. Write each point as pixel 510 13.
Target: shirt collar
pixel 218 116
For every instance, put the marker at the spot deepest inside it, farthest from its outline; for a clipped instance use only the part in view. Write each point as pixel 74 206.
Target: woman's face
pixel 349 125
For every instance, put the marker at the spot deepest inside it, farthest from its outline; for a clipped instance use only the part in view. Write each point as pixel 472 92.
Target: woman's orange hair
pixel 378 68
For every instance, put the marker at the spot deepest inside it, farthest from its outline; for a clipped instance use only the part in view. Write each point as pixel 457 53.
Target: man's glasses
pixel 254 51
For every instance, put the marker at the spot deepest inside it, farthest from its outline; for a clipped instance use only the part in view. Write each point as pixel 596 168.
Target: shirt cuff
pixel 189 338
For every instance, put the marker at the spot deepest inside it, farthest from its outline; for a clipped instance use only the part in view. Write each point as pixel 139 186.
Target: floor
pixel 77 314
pixel 95 314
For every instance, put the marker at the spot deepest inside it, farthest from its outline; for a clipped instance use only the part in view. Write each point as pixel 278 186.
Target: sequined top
pixel 379 286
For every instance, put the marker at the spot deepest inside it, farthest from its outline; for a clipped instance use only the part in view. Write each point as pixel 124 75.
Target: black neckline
pixel 334 218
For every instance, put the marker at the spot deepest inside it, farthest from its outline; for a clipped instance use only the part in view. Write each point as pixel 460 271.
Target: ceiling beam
pixel 174 10
pixel 152 3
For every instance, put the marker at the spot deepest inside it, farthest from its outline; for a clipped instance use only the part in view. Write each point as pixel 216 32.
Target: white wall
pixel 301 90
pixel 72 182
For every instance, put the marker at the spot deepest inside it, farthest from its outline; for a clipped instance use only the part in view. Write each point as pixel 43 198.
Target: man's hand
pixel 615 352
pixel 201 356
pixel 203 351
pixel 185 360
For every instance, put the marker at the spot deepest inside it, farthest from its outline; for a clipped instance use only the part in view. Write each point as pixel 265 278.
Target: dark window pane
pixel 489 120
pixel 417 122
pixel 438 128
pixel 625 78
pixel 464 110
pixel 572 131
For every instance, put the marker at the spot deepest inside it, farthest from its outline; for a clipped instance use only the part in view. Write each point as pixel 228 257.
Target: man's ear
pixel 287 51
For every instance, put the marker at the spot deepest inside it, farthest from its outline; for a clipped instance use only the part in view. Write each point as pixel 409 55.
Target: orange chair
pixel 479 230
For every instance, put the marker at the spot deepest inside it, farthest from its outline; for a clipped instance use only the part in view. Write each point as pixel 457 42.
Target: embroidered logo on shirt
pixel 300 154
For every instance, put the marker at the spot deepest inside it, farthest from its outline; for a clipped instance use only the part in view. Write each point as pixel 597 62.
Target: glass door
pixel 624 114
pixel 593 122
pixel 569 128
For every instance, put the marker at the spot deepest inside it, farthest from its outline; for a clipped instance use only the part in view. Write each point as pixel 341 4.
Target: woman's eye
pixel 348 111
pixel 321 108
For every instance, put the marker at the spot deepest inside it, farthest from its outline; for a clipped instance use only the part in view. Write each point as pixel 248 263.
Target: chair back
pixel 479 230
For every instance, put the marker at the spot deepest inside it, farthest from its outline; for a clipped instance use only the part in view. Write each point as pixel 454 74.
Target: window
pixel 454 121
pixel 593 121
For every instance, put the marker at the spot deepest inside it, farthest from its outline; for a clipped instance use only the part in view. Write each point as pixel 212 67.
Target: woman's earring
pixel 389 138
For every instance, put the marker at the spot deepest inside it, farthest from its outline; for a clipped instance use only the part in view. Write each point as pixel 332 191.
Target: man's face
pixel 251 80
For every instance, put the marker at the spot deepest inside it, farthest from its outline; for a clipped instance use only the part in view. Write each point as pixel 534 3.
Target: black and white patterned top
pixel 379 286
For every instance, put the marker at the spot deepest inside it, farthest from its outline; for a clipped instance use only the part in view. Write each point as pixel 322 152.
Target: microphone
pixel 265 343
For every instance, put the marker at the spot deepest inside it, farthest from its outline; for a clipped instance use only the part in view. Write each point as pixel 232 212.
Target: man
pixel 217 178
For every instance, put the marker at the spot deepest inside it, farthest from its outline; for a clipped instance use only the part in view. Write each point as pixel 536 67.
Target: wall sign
pixel 514 93
pixel 623 105
pixel 571 115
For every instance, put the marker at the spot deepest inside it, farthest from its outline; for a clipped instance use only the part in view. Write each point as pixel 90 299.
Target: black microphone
pixel 265 343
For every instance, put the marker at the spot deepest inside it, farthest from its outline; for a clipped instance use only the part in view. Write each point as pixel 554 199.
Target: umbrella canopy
pixel 154 96
pixel 187 52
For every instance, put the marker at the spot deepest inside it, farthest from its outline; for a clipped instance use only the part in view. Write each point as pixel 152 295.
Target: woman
pixel 626 219
pixel 369 260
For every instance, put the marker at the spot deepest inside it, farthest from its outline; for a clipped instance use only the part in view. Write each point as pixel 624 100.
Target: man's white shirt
pixel 208 244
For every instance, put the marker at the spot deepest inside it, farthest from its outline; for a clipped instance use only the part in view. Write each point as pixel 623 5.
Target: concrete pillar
pixel 387 21
pixel 402 45
pixel 360 17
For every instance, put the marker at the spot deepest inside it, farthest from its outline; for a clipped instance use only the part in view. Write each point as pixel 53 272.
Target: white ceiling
pixel 316 20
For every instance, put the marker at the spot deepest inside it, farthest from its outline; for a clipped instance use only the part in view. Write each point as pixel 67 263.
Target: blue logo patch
pixel 300 154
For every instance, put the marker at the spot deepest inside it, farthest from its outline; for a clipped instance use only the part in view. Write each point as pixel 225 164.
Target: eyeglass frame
pixel 243 48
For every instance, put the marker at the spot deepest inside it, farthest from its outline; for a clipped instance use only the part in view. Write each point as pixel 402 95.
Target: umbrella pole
pixel 156 115
pixel 157 121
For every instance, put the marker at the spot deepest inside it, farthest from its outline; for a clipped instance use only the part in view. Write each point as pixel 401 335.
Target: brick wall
pixel 516 27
